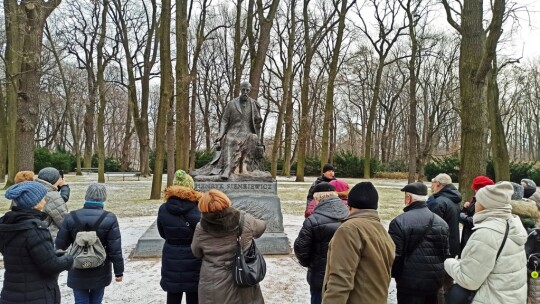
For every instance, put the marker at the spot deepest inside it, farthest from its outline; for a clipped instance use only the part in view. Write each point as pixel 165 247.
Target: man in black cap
pixel 327 176
pixel 421 239
pixel 360 254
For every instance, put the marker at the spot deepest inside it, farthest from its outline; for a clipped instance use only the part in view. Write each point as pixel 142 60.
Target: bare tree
pixel 477 50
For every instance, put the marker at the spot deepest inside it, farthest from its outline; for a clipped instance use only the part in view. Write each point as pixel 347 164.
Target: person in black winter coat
pixel 326 177
pixel 30 261
pixel 421 239
pixel 311 245
pixel 89 284
pixel 446 203
pixel 176 222
pixel 467 212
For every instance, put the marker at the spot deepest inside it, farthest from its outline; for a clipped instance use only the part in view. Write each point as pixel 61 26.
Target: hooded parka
pixel 215 242
pixel 176 222
pixel 311 246
pixel 31 265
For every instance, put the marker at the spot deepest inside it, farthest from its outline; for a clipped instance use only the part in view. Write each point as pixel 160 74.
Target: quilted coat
pixel 176 222
pixel 501 281
pixel 55 207
pixel 420 253
pixel 31 265
pixel 311 245
pixel 109 235
pixel 215 242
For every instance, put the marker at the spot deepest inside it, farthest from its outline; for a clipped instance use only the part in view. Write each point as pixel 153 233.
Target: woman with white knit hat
pixel 493 261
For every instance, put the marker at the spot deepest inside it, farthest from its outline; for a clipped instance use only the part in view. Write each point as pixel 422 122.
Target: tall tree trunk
pixel 289 111
pixel 100 77
pixel 371 118
pixel 3 137
pixel 170 143
pixel 166 94
pixel 501 160
pixel 332 74
pixel 182 86
pixel 258 56
pixel 286 82
pixel 237 64
pixel 476 55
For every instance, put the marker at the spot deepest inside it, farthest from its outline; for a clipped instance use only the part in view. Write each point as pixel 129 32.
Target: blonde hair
pixel 214 201
pixel 24 176
pixel 322 195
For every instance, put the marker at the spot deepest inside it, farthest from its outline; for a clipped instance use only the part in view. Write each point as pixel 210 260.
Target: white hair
pixel 442 178
pixel 417 198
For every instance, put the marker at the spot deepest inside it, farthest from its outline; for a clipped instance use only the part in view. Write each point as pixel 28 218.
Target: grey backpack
pixel 87 250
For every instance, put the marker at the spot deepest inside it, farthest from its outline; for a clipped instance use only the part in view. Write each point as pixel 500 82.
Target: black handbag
pixel 459 295
pixel 249 268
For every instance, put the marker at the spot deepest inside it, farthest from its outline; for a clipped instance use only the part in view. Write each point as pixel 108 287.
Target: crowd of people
pixel 349 254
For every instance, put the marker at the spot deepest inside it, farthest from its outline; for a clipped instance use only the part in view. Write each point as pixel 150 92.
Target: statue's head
pixel 245 87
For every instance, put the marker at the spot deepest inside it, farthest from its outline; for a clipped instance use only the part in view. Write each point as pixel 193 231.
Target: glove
pixel 463 216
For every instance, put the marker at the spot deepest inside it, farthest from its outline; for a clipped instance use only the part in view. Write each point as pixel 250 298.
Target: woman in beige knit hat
pixel 491 264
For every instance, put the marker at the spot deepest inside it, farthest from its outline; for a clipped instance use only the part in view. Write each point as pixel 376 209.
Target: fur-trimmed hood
pixel 220 222
pixel 524 208
pixel 181 192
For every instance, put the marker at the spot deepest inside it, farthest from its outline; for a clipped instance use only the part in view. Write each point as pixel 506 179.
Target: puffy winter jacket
pixel 446 204
pixel 55 207
pixel 31 265
pixel 420 251
pixel 498 281
pixel 532 250
pixel 109 235
pixel 311 246
pixel 176 222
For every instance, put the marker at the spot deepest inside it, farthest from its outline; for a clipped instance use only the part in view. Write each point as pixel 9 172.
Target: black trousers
pixel 176 298
pixel 403 298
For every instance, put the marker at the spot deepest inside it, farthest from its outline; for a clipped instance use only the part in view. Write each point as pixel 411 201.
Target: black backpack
pixel 532 250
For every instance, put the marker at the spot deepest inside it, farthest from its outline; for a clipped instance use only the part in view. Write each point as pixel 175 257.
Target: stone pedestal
pixel 257 198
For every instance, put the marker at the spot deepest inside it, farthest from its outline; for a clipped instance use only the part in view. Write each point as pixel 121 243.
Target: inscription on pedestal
pixel 230 188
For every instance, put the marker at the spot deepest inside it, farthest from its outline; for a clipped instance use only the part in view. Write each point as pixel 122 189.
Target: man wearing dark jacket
pixel 89 284
pixel 421 239
pixel 311 245
pixel 446 203
pixel 327 176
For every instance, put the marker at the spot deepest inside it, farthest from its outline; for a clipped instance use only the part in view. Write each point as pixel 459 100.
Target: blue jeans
pixel 316 295
pixel 88 296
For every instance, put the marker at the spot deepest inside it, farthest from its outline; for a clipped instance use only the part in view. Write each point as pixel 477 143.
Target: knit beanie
pixel 327 167
pixel 26 194
pixel 530 187
pixel 96 193
pixel 339 185
pixel 480 182
pixel 518 192
pixel 181 178
pixel 364 196
pixel 49 174
pixel 495 196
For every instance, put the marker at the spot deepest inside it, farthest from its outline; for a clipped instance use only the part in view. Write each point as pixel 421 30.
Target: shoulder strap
pixel 94 227
pixel 504 240
pixel 240 226
pixel 100 219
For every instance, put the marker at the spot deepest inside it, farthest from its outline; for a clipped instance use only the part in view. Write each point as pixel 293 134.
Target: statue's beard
pixel 243 97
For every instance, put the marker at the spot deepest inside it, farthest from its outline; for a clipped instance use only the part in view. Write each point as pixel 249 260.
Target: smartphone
pixel 61 173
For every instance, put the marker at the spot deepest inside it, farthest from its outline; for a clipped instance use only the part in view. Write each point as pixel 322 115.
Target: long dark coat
pixel 215 242
pixel 176 222
pixel 31 265
pixel 108 233
pixel 447 204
